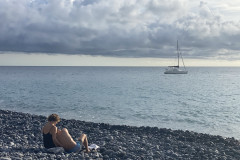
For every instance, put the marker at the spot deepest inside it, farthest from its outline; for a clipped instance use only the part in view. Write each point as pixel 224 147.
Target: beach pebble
pixel 11 144
pixel 21 139
pixel 5 158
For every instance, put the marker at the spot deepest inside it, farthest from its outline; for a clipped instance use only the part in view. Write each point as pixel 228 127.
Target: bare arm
pixel 54 137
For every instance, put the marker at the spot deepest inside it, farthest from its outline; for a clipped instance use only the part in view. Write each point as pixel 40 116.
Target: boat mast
pixel 178 53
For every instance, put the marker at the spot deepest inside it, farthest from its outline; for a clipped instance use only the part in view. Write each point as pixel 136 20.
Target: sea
pixel 206 100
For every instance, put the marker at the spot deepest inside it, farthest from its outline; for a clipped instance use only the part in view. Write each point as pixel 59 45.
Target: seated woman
pixel 53 137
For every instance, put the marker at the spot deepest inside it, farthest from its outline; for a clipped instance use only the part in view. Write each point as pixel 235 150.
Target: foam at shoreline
pixel 21 138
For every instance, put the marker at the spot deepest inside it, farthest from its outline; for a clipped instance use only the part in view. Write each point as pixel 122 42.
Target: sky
pixel 119 32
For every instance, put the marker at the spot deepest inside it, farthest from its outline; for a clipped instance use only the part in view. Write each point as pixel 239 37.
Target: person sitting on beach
pixel 54 137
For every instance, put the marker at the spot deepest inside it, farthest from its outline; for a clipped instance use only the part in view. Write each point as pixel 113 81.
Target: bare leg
pixel 84 140
pixel 65 139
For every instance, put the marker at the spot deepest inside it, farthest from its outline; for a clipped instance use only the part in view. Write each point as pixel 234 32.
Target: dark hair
pixel 53 118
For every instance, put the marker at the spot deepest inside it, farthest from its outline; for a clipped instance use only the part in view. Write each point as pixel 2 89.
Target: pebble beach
pixel 21 138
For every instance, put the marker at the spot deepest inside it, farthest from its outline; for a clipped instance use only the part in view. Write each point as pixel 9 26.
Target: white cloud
pixel 136 28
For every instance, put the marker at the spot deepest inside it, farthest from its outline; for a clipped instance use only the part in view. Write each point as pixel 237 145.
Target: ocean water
pixel 207 100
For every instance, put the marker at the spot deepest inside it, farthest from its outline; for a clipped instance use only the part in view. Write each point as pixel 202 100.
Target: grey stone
pixel 5 158
pixel 116 142
pixel 28 158
pixel 15 158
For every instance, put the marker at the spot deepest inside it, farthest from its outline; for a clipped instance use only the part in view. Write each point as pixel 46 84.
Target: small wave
pixel 142 116
pixel 144 97
pixel 120 117
pixel 191 121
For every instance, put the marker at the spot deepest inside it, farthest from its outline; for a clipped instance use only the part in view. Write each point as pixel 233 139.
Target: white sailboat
pixel 176 69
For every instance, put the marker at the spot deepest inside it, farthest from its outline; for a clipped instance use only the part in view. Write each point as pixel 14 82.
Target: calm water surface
pixel 206 100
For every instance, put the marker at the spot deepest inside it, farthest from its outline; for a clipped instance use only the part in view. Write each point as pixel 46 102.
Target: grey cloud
pixel 144 28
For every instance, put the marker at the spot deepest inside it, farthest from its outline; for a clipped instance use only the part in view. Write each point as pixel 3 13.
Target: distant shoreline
pixel 21 138
pixel 130 66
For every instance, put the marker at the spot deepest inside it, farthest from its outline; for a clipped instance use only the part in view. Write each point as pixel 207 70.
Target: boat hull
pixel 175 72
